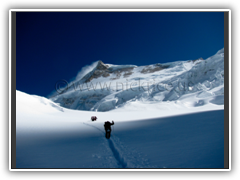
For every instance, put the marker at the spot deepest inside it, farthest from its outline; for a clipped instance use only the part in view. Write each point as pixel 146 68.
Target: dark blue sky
pixel 56 45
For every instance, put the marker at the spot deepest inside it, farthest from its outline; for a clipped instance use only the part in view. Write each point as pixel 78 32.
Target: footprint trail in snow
pixel 125 157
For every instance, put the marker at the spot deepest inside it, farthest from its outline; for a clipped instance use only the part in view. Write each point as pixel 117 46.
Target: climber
pixel 94 118
pixel 107 126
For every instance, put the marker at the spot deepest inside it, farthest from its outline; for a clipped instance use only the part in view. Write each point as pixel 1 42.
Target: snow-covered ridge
pixel 190 83
pixel 119 67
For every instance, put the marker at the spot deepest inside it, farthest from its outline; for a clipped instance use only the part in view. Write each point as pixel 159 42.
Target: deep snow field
pixel 174 134
pixel 179 124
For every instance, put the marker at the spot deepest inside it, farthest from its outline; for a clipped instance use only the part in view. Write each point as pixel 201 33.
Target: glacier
pixel 110 87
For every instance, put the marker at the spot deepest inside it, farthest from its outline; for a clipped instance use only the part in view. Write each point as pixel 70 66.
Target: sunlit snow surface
pixel 168 129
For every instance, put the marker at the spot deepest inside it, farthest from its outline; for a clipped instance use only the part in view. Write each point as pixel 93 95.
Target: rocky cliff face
pixel 100 70
pixel 104 70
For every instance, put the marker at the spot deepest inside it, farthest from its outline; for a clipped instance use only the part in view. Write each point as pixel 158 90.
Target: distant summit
pixel 101 66
pixel 98 71
pixel 104 70
pixel 106 87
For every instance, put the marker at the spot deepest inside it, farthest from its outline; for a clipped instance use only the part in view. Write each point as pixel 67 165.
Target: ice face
pixel 107 87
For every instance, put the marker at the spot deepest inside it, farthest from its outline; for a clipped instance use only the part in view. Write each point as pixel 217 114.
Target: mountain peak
pixel 98 71
pixel 101 65
pixel 107 86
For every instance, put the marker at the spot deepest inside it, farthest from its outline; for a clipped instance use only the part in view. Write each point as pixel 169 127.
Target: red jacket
pixel 94 118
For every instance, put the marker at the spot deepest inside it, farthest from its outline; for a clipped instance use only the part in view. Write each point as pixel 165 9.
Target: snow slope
pixel 110 87
pixel 166 116
pixel 50 136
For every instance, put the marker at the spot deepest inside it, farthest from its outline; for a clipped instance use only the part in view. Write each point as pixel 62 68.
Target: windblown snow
pixel 166 116
pixel 188 84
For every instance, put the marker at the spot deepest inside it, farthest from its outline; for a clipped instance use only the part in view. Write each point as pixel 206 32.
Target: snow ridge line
pixel 117 155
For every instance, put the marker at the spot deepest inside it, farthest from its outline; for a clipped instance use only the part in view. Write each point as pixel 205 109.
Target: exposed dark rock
pixel 157 67
pixel 101 66
pixel 100 70
pixel 127 72
pixel 103 70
